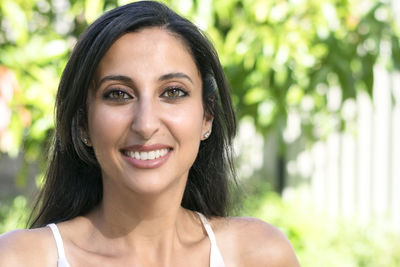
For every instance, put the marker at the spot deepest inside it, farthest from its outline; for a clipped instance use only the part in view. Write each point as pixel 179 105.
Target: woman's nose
pixel 146 121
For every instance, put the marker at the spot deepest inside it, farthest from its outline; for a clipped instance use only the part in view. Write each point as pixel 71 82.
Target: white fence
pixel 358 174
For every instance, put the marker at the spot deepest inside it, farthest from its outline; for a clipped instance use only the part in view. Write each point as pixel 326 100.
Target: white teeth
pixel 152 155
pixel 147 155
pixel 144 155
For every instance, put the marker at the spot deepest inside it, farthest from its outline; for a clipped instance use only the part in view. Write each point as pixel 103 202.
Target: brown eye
pixel 117 95
pixel 173 93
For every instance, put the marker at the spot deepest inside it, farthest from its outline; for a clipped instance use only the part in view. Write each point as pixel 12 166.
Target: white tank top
pixel 216 259
pixel 62 260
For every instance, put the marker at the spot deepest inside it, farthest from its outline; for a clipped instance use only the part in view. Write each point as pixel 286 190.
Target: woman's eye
pixel 117 95
pixel 174 93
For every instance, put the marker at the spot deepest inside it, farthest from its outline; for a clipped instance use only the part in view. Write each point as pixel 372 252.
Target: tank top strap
pixel 62 260
pixel 216 259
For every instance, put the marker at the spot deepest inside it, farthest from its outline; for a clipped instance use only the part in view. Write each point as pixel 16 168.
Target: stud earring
pixel 85 140
pixel 207 134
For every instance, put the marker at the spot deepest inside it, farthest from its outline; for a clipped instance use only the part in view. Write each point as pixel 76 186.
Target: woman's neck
pixel 132 221
pixel 122 209
pixel 146 237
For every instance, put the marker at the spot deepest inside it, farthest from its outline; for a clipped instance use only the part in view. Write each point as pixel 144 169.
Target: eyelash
pixel 121 95
pixel 180 91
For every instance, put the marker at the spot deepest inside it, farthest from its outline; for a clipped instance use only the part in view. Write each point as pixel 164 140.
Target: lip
pixel 146 164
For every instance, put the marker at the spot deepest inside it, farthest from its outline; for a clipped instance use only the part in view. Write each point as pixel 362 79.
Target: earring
pixel 207 134
pixel 85 140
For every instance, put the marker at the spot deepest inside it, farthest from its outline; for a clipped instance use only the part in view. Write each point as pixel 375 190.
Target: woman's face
pixel 145 117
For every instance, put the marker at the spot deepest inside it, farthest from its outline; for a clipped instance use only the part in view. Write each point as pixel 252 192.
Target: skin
pixel 147 94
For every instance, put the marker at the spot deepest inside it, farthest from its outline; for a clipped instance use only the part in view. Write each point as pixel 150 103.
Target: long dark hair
pixel 73 184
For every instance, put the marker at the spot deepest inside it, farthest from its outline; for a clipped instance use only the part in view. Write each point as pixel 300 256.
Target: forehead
pixel 152 50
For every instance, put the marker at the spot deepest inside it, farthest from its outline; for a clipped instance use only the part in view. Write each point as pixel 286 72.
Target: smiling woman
pixel 148 102
pixel 141 161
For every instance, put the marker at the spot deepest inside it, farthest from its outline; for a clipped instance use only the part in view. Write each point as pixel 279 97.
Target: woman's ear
pixel 82 127
pixel 207 126
pixel 85 137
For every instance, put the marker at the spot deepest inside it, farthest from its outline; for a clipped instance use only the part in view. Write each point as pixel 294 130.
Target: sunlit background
pixel 316 86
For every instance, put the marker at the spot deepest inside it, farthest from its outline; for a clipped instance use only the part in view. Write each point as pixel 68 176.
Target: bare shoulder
pixel 253 242
pixel 27 247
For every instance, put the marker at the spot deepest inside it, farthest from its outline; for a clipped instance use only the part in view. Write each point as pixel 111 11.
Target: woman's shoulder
pixel 253 242
pixel 23 247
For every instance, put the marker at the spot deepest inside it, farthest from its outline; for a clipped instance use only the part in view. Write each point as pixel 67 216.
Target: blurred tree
pixel 282 58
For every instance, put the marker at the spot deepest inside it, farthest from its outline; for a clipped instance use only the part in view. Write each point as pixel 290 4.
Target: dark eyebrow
pixel 121 78
pixel 126 79
pixel 174 75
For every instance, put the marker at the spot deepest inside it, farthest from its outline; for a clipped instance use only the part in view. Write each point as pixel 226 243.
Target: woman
pixel 141 160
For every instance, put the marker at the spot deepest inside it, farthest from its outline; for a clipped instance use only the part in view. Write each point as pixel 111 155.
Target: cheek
pixel 104 126
pixel 186 123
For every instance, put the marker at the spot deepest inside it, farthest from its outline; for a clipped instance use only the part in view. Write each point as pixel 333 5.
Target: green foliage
pixel 279 53
pixel 13 215
pixel 321 240
pixel 32 49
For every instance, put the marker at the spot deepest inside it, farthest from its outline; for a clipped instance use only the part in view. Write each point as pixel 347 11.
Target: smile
pixel 146 155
